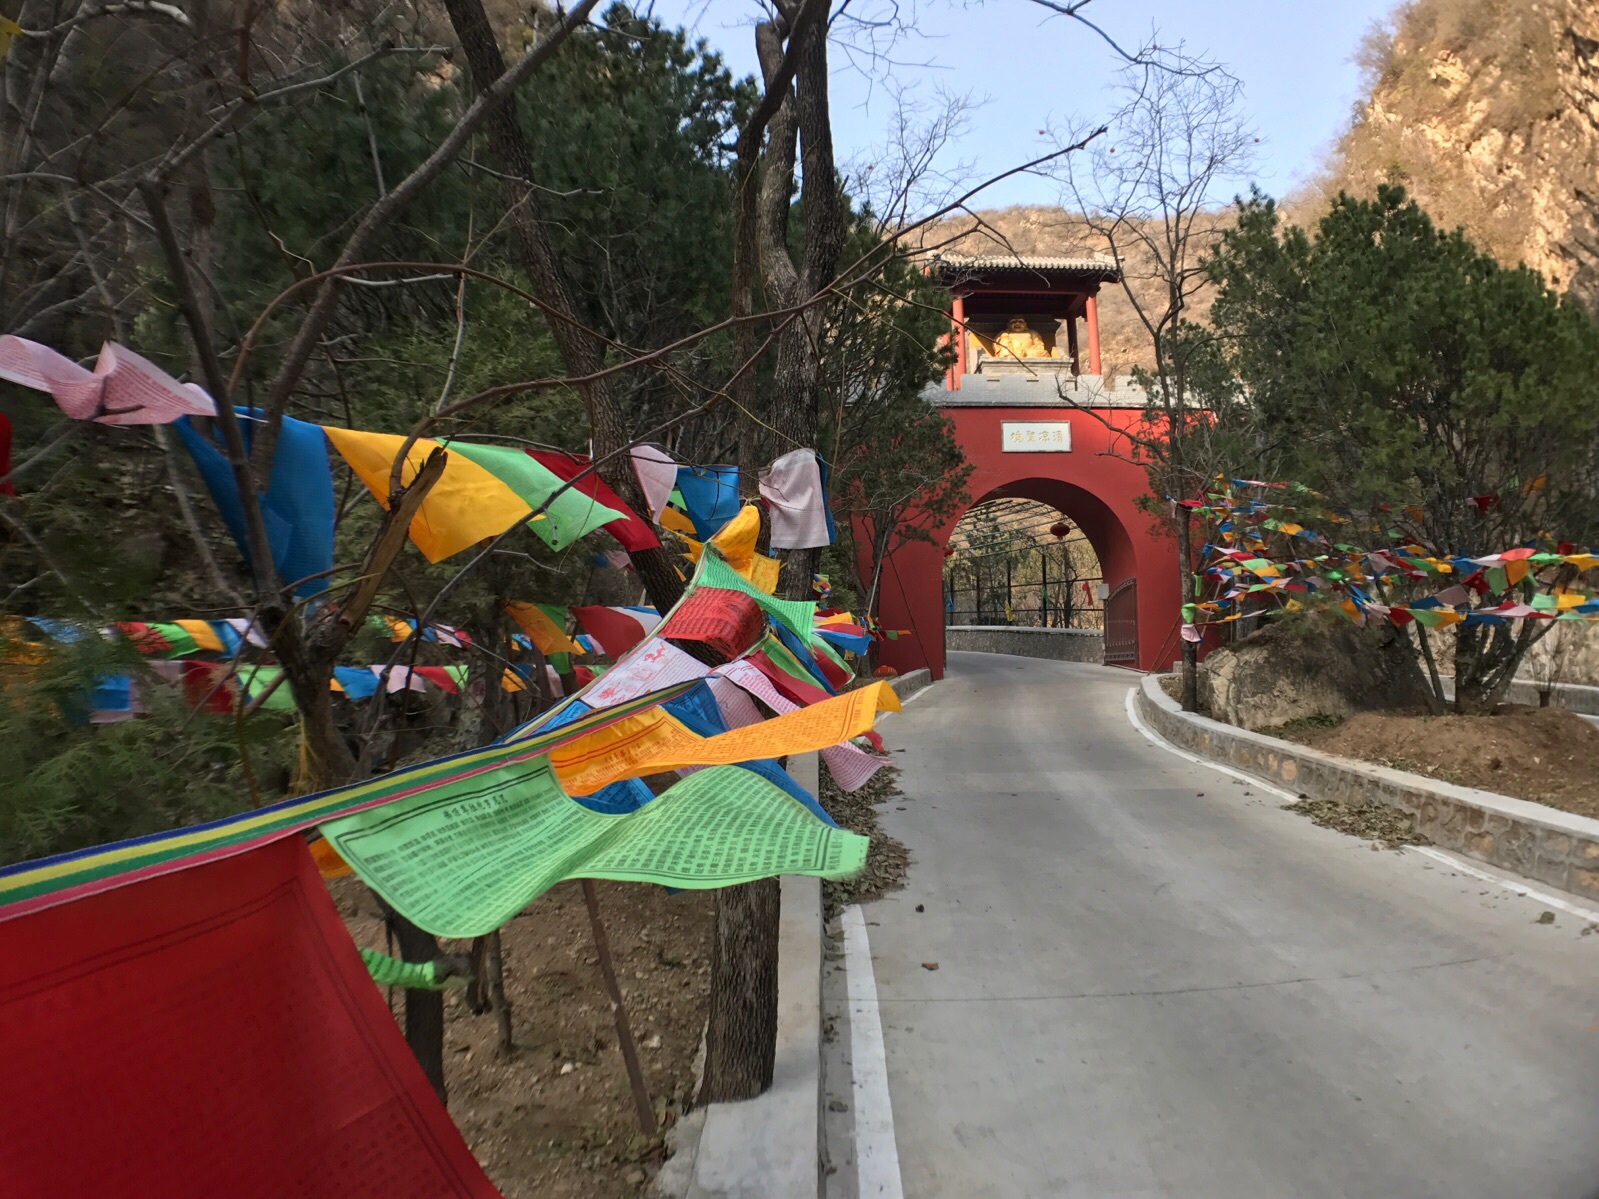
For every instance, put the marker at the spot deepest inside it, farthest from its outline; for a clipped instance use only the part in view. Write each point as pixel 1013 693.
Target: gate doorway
pixel 1021 563
pixel 1121 625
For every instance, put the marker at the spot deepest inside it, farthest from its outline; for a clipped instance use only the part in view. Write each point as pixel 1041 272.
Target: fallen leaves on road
pixel 887 861
pixel 929 965
pixel 1376 822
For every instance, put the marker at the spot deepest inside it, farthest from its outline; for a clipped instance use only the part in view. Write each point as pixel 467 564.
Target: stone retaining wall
pixel 1060 645
pixel 1536 842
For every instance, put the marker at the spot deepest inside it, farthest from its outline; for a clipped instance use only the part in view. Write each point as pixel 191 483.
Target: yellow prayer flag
pixel 202 632
pixel 674 520
pixel 541 630
pixel 328 862
pixel 653 742
pixel 466 505
pixel 736 540
pixel 9 31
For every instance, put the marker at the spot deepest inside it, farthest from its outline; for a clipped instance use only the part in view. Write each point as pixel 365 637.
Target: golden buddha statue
pixel 1019 341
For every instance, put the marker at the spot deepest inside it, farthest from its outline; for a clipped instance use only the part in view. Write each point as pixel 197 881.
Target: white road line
pixel 1160 742
pixel 876 1154
pixel 1515 888
pixel 1438 855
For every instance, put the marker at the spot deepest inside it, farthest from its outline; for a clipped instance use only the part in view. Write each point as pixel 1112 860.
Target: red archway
pixel 1092 483
pixel 1035 425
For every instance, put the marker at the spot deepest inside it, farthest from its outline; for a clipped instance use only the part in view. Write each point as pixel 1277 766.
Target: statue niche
pixel 1020 341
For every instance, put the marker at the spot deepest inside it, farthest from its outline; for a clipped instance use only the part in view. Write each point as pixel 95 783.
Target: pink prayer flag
pixel 123 389
pixel 849 765
pixel 737 708
pixel 657 475
pixel 652 665
pixel 792 486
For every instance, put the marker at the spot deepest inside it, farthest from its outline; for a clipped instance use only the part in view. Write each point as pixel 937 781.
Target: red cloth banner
pixel 212 1032
pixel 616 629
pixel 727 621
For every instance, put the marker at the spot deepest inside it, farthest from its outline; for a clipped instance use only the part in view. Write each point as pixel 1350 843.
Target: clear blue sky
pixel 1031 69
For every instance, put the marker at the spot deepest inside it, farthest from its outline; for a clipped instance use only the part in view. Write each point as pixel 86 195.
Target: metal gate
pixel 1121 625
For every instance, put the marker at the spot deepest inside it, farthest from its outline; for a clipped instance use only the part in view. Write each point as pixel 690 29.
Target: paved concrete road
pixel 1143 990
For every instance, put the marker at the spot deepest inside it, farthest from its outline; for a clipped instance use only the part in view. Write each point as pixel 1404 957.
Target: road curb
pixel 907 685
pixel 1537 842
pixel 770 1147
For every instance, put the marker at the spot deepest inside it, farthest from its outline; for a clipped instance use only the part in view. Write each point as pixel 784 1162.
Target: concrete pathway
pixel 1152 981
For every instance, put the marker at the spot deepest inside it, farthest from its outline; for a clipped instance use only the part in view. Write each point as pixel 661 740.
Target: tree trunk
pixel 741 1034
pixel 424 1010
pixel 494 977
pixel 1185 572
pixel 580 351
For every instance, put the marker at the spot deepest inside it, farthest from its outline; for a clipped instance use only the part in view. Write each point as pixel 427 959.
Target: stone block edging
pixel 770 1147
pixel 1539 843
pixel 907 685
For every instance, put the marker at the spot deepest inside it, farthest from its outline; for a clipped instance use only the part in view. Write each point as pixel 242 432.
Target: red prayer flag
pixel 143 638
pixel 5 457
pixel 616 629
pixel 207 683
pixel 800 692
pixel 831 670
pixel 632 533
pixel 212 1032
pixel 727 621
pixel 439 677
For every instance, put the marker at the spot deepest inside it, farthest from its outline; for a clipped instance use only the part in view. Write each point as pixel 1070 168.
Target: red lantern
pixel 1059 529
pixel 949 553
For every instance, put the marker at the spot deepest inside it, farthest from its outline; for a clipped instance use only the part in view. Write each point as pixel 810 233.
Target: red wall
pixel 1096 490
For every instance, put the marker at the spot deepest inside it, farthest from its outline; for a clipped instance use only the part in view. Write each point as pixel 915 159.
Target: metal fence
pixel 1033 587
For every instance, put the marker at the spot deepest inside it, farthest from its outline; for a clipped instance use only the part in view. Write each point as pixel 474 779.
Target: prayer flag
pixel 122 389
pixel 616 629
pixel 545 625
pixel 467 505
pixel 213 1032
pixel 657 475
pixel 297 507
pixel 710 494
pixel 631 530
pixel 792 486
pixel 567 517
pixel 461 865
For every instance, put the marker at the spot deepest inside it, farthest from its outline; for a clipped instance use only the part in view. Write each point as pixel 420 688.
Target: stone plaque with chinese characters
pixel 1035 436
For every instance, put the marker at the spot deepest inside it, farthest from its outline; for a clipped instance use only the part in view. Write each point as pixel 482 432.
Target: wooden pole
pixel 958 331
pixel 624 1031
pixel 1091 313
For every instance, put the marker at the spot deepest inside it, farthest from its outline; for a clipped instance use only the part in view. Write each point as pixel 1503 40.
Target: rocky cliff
pixel 1488 112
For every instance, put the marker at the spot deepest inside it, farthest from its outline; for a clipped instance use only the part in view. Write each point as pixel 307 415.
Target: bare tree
pixel 1152 193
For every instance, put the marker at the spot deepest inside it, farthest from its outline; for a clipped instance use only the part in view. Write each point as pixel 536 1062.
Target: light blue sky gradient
pixel 1034 71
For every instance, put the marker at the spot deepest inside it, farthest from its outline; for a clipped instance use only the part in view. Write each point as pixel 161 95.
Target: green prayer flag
pixel 256 679
pixel 390 972
pixel 784 660
pixel 182 644
pixel 797 616
pixel 568 517
pixel 462 859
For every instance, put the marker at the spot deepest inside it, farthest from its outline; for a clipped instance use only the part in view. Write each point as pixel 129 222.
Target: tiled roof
pixel 1092 265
